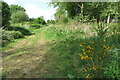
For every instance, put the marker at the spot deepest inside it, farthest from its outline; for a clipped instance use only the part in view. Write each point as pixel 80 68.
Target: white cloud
pixel 35 11
pixel 35 8
pixel 33 1
pixel 10 1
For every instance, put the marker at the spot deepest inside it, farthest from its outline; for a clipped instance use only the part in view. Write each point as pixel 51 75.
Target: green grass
pixel 36 33
pixel 62 59
pixel 65 53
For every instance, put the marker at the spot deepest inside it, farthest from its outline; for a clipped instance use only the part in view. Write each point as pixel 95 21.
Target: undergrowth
pixel 84 57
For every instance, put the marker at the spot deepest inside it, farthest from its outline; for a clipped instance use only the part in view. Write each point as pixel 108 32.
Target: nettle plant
pixel 93 58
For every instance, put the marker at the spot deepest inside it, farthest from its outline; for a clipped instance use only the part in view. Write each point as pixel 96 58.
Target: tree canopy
pixel 39 20
pixel 98 10
pixel 18 17
pixel 5 14
pixel 16 8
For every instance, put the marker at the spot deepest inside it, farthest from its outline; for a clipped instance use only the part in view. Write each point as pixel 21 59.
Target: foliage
pixel 113 28
pixel 73 53
pixel 93 58
pixel 36 25
pixel 20 29
pixel 112 68
pixel 17 34
pixel 65 34
pixel 9 36
pixel 13 32
pixel 97 10
pixel 50 21
pixel 63 19
pixel 6 37
pixel 101 29
pixel 60 15
pixel 87 57
pixel 16 8
pixel 5 14
pixel 110 10
pixel 39 20
pixel 19 17
pixel 31 19
pixel 81 18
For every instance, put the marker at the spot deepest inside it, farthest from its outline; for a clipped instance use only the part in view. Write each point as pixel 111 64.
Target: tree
pixel 31 19
pixel 51 21
pixel 19 17
pixel 40 20
pixel 5 14
pixel 16 8
pixel 110 11
pixel 93 10
pixel 60 15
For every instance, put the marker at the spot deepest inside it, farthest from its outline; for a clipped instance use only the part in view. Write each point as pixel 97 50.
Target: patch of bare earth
pixel 25 63
pixel 16 48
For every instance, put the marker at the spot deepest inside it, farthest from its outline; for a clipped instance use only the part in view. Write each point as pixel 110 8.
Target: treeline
pixel 16 23
pixel 16 14
pixel 87 11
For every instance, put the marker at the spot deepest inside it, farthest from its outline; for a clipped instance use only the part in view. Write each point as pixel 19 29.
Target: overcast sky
pixel 35 8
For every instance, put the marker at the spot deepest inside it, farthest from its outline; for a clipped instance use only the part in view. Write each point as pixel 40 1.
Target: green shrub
pixel 101 29
pixel 9 36
pixel 17 34
pixel 39 20
pixel 58 33
pixel 65 20
pixel 19 16
pixel 6 37
pixel 51 22
pixel 36 25
pixel 113 28
pixel 20 29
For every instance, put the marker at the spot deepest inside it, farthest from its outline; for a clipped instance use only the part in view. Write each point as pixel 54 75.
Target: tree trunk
pixel 81 7
pixel 82 11
pixel 108 19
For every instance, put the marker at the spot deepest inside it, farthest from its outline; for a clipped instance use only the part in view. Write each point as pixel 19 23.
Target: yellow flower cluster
pixel 92 52
pixel 88 76
pixel 94 68
pixel 84 57
pixel 81 44
pixel 86 50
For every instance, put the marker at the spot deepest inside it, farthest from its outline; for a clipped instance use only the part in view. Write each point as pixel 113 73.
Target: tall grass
pixel 96 58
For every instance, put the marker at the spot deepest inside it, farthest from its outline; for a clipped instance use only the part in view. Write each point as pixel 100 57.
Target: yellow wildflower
pixel 92 42
pixel 84 57
pixel 83 49
pixel 80 54
pixel 84 53
pixel 84 70
pixel 104 46
pixel 94 68
pixel 107 48
pixel 90 58
pixel 88 51
pixel 82 44
pixel 88 47
pixel 88 76
pixel 104 40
